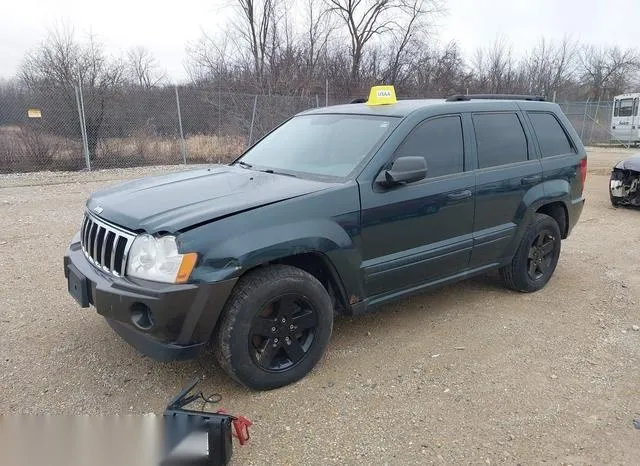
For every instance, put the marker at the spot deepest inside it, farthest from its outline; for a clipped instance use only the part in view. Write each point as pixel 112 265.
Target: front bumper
pixel 182 317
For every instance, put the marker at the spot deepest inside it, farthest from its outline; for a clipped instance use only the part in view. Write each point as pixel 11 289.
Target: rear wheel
pixel 536 257
pixel 275 327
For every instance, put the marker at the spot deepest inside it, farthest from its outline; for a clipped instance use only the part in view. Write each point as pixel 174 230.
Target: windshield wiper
pixel 264 170
pixel 271 170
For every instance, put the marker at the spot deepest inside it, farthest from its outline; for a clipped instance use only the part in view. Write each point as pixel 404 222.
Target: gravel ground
pixel 470 373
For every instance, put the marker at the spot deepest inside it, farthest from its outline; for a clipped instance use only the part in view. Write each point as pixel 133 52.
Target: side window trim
pixel 465 169
pixel 523 125
pixel 571 142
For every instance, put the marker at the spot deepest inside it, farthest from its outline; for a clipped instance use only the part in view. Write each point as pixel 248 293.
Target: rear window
pixel 551 137
pixel 500 139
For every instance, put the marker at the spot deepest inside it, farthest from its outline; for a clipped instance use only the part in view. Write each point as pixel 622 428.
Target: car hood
pixel 631 163
pixel 173 202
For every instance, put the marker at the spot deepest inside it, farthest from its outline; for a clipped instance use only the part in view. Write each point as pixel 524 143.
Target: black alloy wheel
pixel 275 327
pixel 282 333
pixel 536 258
pixel 540 256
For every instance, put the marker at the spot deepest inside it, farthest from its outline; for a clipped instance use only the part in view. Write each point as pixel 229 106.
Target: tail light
pixel 583 171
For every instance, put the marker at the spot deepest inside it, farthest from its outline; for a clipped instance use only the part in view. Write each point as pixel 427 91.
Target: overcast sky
pixel 165 28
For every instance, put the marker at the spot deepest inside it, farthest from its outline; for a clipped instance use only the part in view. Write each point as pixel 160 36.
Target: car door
pixel 507 167
pixel 421 231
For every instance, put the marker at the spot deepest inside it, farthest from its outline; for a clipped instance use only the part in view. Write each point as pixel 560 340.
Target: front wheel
pixel 275 327
pixel 536 258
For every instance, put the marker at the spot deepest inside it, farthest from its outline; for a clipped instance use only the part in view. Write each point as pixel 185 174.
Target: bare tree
pixel 142 68
pixel 254 26
pixel 367 20
pixel 440 72
pixel 364 19
pixel 61 63
pixel 606 71
pixel 495 70
pixel 550 67
pixel 209 59
pixel 410 35
pixel 319 28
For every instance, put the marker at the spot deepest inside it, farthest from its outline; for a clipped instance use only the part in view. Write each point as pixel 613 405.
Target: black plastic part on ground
pixel 181 424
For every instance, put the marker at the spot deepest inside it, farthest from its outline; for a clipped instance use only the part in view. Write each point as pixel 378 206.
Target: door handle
pixel 459 195
pixel 530 179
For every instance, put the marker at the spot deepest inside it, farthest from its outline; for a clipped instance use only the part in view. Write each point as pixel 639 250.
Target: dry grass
pixel 25 150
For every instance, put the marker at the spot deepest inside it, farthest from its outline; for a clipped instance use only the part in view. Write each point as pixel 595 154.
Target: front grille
pixel 105 245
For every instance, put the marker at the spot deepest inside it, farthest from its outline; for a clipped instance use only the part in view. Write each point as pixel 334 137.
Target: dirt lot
pixel 471 373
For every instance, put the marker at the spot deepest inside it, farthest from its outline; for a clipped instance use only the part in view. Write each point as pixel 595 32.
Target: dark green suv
pixel 338 210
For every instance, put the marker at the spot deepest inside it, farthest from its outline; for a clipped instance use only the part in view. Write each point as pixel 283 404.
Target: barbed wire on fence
pixel 75 130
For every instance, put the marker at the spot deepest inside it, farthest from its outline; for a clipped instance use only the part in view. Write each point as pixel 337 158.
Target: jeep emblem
pixel 98 210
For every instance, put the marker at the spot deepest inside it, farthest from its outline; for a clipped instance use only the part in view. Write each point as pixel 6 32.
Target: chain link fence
pixel 75 129
pixel 592 121
pixel 88 129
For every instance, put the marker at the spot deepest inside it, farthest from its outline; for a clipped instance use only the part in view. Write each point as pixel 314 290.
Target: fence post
pixel 83 128
pixel 183 144
pixel 326 92
pixel 317 101
pixel 253 119
pixel 594 120
pixel 219 107
pixel 634 110
pixel 584 119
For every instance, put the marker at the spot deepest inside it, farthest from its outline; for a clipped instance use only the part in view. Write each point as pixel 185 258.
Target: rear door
pixel 625 119
pixel 507 167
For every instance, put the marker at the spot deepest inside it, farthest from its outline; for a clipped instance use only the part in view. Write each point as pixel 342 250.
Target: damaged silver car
pixel 624 185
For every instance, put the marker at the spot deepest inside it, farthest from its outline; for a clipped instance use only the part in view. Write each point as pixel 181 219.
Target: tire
pixel 614 202
pixel 523 275
pixel 253 343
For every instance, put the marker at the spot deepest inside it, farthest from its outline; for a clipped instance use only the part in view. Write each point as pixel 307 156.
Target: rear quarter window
pixel 551 137
pixel 500 139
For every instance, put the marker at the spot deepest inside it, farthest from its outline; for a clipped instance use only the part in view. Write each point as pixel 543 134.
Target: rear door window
pixel 550 134
pixel 500 139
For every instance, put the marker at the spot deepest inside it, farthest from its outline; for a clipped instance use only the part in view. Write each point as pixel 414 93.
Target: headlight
pixel 157 259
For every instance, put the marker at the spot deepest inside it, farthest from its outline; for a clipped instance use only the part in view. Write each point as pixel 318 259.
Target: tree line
pixel 296 47
pixel 270 47
pixel 302 48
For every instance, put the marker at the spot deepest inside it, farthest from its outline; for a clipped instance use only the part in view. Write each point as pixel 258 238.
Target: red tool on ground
pixel 241 426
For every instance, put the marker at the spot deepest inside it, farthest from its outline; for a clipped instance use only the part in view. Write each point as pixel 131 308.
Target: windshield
pixel 326 145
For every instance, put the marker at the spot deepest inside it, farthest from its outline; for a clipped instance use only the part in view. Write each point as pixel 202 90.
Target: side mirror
pixel 404 170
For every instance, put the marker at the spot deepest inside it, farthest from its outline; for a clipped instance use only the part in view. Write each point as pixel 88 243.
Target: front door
pixel 422 231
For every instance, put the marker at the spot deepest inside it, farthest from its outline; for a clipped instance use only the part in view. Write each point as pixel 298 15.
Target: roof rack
pixel 463 97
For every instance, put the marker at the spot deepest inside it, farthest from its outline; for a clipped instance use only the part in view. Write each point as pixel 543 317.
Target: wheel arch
pixel 558 211
pixel 320 266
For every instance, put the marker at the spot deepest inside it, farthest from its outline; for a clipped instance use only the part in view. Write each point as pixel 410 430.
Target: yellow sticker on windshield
pixel 382 95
